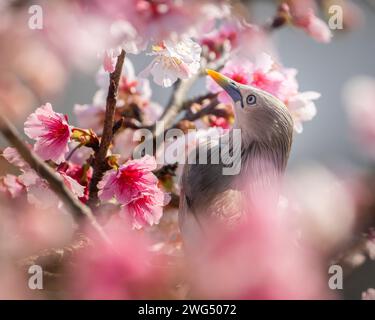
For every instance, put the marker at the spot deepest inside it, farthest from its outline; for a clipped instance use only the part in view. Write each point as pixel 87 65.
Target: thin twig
pixel 99 163
pixel 77 209
pixel 73 150
pixel 203 112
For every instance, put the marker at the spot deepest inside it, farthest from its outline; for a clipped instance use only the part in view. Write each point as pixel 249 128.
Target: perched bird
pixel 266 137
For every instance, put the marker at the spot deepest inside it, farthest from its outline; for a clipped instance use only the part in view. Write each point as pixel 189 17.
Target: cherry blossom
pixel 11 185
pixel 135 187
pixel 127 37
pixel 238 263
pixel 39 193
pixel 13 157
pixel 303 16
pixel 174 60
pixel 126 269
pixel 240 38
pixel 130 89
pixel 314 27
pixel 302 108
pixel 369 294
pixel 110 59
pixel 51 132
pixel 162 20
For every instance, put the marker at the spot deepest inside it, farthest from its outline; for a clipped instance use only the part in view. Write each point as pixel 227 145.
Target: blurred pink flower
pixel 174 60
pixel 314 26
pixel 126 36
pixel 256 259
pixel 322 207
pixel 13 157
pixel 51 132
pixel 220 40
pixel 303 16
pixel 75 34
pixel 39 193
pixel 219 122
pixel 11 185
pixel 124 269
pixel 359 100
pixel 135 187
pixel 162 20
pixel 369 294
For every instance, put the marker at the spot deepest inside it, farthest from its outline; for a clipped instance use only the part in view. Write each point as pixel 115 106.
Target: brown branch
pixel 99 163
pixel 77 209
pixel 209 109
pixel 199 99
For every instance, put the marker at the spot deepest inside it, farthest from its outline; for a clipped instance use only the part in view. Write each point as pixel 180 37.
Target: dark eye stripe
pixel 251 99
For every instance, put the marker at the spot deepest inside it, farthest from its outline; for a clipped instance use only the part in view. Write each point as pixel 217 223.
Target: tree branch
pixel 77 209
pixel 177 101
pixel 99 163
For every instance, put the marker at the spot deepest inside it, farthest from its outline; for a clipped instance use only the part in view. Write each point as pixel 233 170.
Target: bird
pixel 266 128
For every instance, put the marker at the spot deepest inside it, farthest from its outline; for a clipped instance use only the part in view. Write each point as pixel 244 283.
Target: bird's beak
pixel 227 84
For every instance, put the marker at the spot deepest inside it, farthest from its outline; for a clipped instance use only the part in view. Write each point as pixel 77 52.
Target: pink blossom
pixel 75 34
pixel 80 176
pixel 322 207
pixel 369 294
pixel 13 157
pixel 38 190
pixel 161 20
pixel 220 40
pixel 11 185
pixel 313 26
pixel 147 209
pixel 256 259
pixel 110 59
pixel 73 185
pixel 135 187
pixel 51 132
pixel 302 108
pixel 30 180
pixel 127 37
pixel 219 122
pixel 174 60
pixel 124 269
pixel 92 115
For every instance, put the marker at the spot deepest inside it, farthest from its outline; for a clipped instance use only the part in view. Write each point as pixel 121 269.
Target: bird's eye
pixel 251 99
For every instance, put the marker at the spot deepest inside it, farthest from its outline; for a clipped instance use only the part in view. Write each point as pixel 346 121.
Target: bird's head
pixel 258 114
